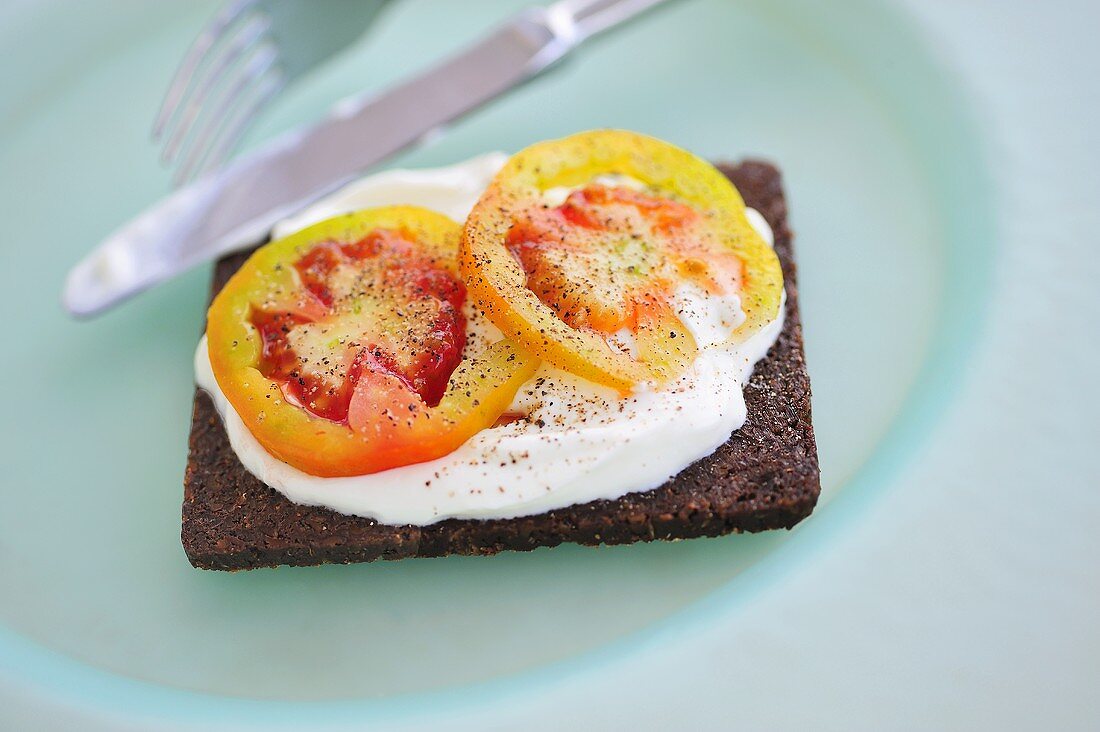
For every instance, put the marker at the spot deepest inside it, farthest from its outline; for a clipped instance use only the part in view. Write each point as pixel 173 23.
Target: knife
pixel 236 206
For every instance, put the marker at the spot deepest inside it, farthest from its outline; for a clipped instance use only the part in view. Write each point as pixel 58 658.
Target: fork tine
pixel 229 134
pixel 218 70
pixel 210 35
pixel 220 109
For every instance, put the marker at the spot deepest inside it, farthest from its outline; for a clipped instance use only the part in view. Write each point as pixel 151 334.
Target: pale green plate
pixel 98 605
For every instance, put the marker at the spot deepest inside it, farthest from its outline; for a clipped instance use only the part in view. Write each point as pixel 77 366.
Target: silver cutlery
pixel 249 52
pixel 230 208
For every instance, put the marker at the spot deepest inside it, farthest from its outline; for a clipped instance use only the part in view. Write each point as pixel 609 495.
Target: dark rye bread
pixel 764 477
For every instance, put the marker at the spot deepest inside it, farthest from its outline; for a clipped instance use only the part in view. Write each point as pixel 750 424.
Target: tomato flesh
pixel 341 347
pixel 558 279
pixel 608 255
pixel 318 353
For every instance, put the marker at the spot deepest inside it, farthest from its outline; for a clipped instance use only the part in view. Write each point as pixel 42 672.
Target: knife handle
pixel 590 17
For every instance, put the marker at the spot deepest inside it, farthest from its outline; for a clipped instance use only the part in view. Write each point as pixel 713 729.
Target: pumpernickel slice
pixel 764 477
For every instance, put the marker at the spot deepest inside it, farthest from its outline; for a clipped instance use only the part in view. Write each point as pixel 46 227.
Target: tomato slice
pixel 640 220
pixel 342 346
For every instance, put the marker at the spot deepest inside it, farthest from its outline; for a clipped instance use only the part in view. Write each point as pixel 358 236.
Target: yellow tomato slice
pixel 610 256
pixel 341 346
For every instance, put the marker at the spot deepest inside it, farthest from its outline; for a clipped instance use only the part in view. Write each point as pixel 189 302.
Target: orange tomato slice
pixel 640 218
pixel 341 346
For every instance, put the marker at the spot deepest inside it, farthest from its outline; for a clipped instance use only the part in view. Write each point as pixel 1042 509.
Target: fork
pixel 249 52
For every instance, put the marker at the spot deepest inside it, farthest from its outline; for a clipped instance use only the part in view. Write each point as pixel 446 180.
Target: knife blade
pixel 236 206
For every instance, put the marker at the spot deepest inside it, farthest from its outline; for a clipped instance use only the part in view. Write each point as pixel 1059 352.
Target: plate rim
pixel 959 319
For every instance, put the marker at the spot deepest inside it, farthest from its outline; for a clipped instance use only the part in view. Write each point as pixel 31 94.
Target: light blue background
pixel 943 191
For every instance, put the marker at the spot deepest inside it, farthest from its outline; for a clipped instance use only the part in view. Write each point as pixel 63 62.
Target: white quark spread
pixel 580 441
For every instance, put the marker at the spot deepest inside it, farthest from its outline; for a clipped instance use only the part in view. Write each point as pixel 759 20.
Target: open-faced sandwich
pixel 596 340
